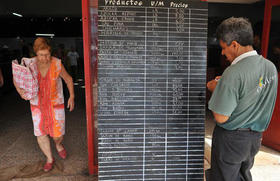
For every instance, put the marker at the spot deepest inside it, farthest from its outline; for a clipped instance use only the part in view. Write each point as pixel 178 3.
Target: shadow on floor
pixel 30 171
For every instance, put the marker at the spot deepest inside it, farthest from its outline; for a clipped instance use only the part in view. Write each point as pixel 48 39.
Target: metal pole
pixel 266 27
pixel 93 169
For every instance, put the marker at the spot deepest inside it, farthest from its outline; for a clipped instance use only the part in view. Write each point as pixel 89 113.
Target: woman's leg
pixel 44 144
pixel 58 144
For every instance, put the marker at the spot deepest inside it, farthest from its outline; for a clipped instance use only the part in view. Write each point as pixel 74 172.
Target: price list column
pixel 186 93
pixel 178 94
pixel 155 94
pixel 121 92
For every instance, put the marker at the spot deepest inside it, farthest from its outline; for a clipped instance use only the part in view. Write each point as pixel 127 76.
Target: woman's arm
pixel 69 82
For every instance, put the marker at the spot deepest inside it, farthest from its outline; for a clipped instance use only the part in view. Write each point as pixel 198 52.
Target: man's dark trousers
pixel 232 154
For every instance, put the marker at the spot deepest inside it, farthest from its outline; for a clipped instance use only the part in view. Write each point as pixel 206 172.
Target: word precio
pixel 178 5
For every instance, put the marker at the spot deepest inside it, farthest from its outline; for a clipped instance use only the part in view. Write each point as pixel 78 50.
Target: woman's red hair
pixel 41 44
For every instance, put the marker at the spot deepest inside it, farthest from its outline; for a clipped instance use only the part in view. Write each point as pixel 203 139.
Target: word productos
pixel 124 2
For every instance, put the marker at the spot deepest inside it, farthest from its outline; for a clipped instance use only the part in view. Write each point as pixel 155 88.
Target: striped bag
pixel 25 76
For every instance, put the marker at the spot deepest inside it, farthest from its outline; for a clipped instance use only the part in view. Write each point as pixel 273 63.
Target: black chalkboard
pixel 151 89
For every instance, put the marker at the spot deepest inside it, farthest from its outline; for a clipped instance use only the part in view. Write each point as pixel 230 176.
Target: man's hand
pixel 211 85
pixel 220 118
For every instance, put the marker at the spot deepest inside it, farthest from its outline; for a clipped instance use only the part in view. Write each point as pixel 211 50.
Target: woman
pixel 48 107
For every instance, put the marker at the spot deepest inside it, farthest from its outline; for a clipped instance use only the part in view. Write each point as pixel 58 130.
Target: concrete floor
pixel 18 146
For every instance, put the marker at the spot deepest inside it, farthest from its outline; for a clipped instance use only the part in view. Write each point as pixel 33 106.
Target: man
pixel 242 103
pixel 73 57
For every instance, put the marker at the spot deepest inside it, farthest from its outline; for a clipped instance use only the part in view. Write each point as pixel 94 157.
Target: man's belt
pixel 245 129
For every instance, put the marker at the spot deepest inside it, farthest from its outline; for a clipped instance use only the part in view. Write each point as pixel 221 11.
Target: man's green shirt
pixel 246 93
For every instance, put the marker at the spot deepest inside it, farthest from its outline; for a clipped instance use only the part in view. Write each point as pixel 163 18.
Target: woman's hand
pixel 71 103
pixel 20 91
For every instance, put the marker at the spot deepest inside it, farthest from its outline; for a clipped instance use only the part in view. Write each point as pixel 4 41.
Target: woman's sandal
pixel 62 153
pixel 48 166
